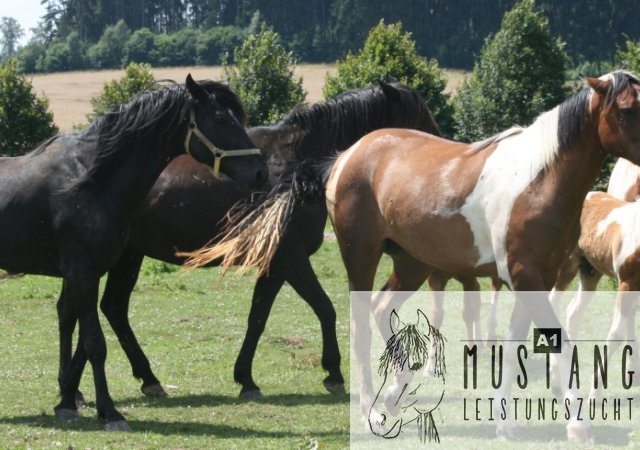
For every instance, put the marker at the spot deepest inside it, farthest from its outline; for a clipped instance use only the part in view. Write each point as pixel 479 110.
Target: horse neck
pixel 137 172
pixel 576 169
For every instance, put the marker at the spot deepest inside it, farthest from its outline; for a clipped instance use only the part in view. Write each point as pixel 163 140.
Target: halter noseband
pixel 217 153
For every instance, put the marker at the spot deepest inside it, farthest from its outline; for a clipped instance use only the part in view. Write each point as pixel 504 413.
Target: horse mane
pixel 334 125
pixel 151 117
pixel 562 126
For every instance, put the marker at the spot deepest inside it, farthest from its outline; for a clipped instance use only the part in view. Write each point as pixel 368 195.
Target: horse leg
pixel 579 304
pixel 538 309
pixel 264 294
pixel 81 290
pixel 437 283
pixel 471 304
pixel 518 329
pixel 622 327
pixel 408 275
pixel 361 257
pixel 66 324
pixel 492 320
pixel 566 274
pixel 300 275
pixel 121 280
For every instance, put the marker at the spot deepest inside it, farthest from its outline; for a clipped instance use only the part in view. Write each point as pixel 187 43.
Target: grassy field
pixel 69 92
pixel 191 326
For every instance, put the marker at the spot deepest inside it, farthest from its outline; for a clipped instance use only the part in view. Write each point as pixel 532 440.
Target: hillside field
pixel 69 92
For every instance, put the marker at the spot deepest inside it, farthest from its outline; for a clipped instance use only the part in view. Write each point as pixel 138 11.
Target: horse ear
pixel 388 90
pixel 423 325
pixel 390 78
pixel 394 322
pixel 196 91
pixel 598 85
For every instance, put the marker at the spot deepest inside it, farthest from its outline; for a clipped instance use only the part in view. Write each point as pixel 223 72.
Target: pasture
pixel 191 325
pixel 69 92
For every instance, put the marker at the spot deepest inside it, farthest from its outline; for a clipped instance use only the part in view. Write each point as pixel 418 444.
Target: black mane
pixel 151 119
pixel 572 113
pixel 336 124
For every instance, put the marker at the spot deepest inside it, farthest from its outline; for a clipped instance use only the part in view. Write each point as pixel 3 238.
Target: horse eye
pixel 629 112
pixel 416 366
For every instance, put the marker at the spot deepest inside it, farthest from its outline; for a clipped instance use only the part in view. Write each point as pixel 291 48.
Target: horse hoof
pixel 118 425
pixel 66 414
pixel 251 395
pixel 154 390
pixel 80 401
pixel 334 388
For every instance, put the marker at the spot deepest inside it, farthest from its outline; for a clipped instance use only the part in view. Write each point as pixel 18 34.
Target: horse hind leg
pixel 589 278
pixel 302 278
pixel 264 294
pixel 623 330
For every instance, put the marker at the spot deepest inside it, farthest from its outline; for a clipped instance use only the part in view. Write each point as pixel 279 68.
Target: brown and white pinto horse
pixel 609 244
pixel 624 182
pixel 508 206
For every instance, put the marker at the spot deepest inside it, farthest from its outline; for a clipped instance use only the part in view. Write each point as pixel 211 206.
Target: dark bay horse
pixel 184 209
pixel 65 208
pixel 508 206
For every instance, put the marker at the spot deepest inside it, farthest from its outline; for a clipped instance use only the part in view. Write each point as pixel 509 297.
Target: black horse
pixel 65 208
pixel 166 222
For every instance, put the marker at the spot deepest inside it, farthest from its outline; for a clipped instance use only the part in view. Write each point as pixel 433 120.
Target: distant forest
pixel 452 31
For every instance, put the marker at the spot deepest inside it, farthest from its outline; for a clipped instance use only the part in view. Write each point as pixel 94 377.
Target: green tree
pixel 629 56
pixel 24 118
pixel 140 47
pixel 137 78
pixel 519 74
pixel 10 34
pixel 389 50
pixel 263 77
pixel 108 51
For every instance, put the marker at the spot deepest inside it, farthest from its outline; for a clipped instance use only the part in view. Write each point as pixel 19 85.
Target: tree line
pixel 451 31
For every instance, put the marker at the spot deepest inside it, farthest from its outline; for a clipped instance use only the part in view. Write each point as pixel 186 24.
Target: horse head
pixel 278 144
pixel 215 132
pixel 616 97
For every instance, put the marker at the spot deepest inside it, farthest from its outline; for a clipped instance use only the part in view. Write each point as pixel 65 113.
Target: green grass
pixel 191 326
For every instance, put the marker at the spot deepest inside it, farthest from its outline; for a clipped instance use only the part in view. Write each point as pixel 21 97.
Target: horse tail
pixel 253 230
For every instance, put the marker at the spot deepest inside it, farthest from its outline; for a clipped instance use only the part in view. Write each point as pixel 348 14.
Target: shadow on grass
pixel 175 401
pixel 168 428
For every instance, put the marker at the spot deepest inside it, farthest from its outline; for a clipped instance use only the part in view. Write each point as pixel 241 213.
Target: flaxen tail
pixel 254 229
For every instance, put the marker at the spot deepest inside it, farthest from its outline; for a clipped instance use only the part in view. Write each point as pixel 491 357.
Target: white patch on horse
pixel 332 182
pixel 507 172
pixel 447 189
pixel 627 217
pixel 624 176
